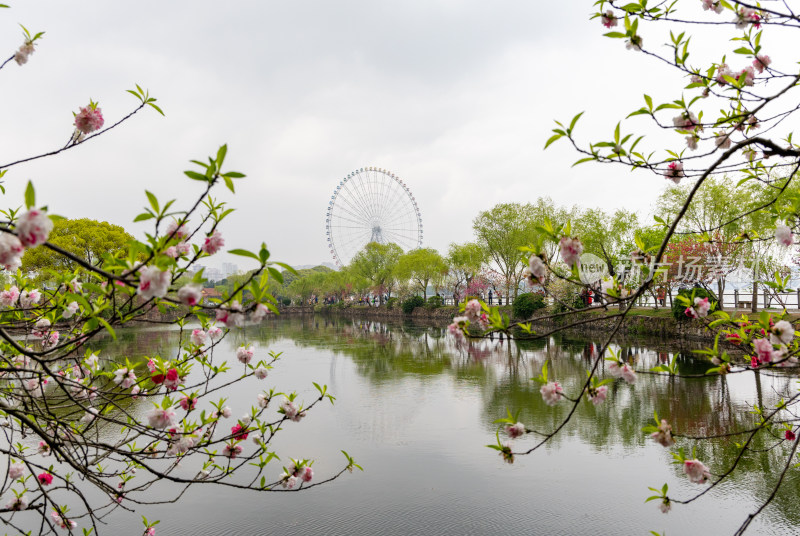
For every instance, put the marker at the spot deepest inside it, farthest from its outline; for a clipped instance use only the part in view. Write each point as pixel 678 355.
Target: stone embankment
pixel 635 324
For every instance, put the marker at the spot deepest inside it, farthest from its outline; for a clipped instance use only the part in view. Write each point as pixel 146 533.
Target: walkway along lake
pixel 416 410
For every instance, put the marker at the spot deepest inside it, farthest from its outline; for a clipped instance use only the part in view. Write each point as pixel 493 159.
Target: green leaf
pixel 553 138
pixel 228 183
pixel 108 328
pixel 153 200
pixel 143 216
pixel 30 196
pixel 582 160
pixel 574 121
pixel 221 155
pixel 244 253
pixel 155 107
pixel 196 176
pixel 234 174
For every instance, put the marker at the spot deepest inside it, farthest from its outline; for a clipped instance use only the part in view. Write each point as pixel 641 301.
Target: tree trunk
pixel 720 293
pixel 754 303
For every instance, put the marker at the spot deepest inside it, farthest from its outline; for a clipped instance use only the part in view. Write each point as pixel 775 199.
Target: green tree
pixel 464 262
pixel 377 264
pixel 87 239
pixel 712 217
pixel 501 231
pixel 421 266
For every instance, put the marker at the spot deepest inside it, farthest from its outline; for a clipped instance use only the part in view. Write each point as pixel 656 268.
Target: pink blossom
pixel 18 503
pixel 124 377
pixel 686 121
pixel 190 294
pixel 41 328
pixel 746 16
pixel 789 435
pixel 43 449
pixel 259 313
pixel 634 43
pixel 307 473
pixel 161 418
pixel 11 250
pixel 761 62
pixel 537 267
pixel 722 140
pixel 702 306
pixel 151 366
pixel 472 310
pixel 45 479
pixel 289 408
pixel 665 506
pixel 30 298
pixel 783 234
pixel 229 317
pixel 260 373
pixel 188 404
pixel 713 5
pixel 763 350
pixel 51 340
pixel 213 243
pixel 782 333
pixel 61 521
pixel 89 119
pixel 244 354
pixel 696 471
pixel 33 227
pixel 722 71
pixel 288 481
pixel 515 430
pixel 172 380
pixel 627 373
pixel 663 436
pixel 199 337
pixel 23 52
pixel 608 19
pixel 9 297
pixel 691 142
pixel 177 232
pixel 172 252
pixel 153 282
pixel 455 330
pixel 227 412
pixel 571 249
pixel 551 393
pixel 16 470
pixel 239 432
pixel 70 310
pixel 675 172
pixel 749 75
pixel 599 396
pixel 151 531
pixel 214 332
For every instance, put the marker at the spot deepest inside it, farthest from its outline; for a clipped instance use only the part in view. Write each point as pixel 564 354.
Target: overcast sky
pixel 455 97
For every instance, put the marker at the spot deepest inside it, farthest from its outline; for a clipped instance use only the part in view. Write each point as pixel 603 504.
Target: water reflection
pixel 413 403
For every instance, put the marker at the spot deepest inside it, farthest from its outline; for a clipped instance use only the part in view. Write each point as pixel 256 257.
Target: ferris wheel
pixel 371 205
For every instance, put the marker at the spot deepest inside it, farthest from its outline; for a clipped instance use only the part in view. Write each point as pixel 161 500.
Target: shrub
pixel 434 302
pixel 528 303
pixel 679 306
pixel 287 301
pixel 391 303
pixel 413 302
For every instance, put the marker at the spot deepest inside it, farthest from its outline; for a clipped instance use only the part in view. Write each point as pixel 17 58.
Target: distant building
pixel 209 293
pixel 229 268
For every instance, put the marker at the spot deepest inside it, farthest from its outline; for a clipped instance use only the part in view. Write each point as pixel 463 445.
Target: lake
pixel 416 410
